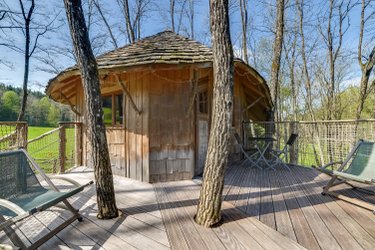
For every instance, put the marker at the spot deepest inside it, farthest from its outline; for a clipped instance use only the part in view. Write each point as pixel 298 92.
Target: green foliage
pixel 40 110
pixel 10 104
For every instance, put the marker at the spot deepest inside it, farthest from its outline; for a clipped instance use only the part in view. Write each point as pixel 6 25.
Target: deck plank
pixel 267 215
pixel 321 205
pixel 253 202
pixel 302 230
pixel 238 231
pixel 317 226
pixel 162 218
pixel 282 219
pixel 175 235
pixel 353 232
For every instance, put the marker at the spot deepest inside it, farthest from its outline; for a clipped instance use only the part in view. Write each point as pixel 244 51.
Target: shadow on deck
pixel 261 210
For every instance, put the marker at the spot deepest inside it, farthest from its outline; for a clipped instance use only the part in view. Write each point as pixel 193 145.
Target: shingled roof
pixel 165 47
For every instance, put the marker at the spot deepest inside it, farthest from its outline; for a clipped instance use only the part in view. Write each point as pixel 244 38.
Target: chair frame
pixel 338 180
pixel 21 214
pixel 277 154
pixel 248 157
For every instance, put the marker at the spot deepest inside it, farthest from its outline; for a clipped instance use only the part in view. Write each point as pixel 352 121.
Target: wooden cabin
pixel 157 97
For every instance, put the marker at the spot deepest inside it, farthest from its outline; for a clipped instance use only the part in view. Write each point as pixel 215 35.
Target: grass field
pixel 37 131
pixel 46 150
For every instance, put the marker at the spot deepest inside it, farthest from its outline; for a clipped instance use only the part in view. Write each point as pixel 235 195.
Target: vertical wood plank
pixel 138 100
pixel 145 128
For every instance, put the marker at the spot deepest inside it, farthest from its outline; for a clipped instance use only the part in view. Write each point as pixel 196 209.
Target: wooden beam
pixel 194 91
pixel 123 86
pixel 252 104
pixel 70 104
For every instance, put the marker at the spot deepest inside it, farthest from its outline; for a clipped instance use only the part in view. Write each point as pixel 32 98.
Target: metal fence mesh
pixel 12 135
pixel 318 143
pixel 46 149
pixel 54 151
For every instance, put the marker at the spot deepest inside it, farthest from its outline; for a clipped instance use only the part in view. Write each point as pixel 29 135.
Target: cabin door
pixel 202 130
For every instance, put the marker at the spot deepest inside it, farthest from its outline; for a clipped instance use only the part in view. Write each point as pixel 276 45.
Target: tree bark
pixel 95 127
pixel 367 66
pixel 208 212
pixel 27 18
pixel 191 8
pixel 129 26
pixel 244 21
pixel 172 6
pixel 277 49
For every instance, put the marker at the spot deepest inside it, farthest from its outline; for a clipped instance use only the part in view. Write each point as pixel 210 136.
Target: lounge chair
pixel 280 156
pixel 359 166
pixel 22 195
pixel 249 156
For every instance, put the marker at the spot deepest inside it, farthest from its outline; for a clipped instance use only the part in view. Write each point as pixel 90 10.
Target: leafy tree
pixel 10 105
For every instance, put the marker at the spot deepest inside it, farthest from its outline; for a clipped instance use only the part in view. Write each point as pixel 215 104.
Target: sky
pixel 156 22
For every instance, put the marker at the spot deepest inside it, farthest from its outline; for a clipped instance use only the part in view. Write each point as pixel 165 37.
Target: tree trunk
pixel 21 115
pixel 191 7
pixel 95 127
pixel 362 93
pixel 172 5
pixel 277 48
pixel 367 66
pixel 244 21
pixel 129 26
pixel 208 212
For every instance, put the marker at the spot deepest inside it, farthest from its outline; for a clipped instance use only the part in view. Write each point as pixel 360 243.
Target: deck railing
pixel 59 149
pixel 13 135
pixel 318 142
pixel 55 151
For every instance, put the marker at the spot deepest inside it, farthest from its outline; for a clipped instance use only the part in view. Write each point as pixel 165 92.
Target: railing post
pixel 293 153
pixel 20 140
pixel 62 148
pixel 78 146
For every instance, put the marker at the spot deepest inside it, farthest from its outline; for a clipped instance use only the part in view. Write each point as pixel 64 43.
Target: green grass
pixel 37 131
pixel 46 150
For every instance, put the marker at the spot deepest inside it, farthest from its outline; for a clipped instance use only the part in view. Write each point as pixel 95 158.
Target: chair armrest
pixel 12 206
pixel 52 177
pixel 21 214
pixel 331 164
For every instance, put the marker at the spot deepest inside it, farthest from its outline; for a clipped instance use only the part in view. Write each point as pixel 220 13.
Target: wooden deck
pixel 262 210
pixel 141 226
pixel 292 204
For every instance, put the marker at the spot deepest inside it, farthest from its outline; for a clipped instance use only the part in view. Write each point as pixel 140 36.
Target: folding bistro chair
pixel 22 195
pixel 280 156
pixel 359 166
pixel 248 157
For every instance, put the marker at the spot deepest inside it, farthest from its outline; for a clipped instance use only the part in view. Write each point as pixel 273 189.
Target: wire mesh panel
pixel 13 135
pixel 45 150
pixel 55 151
pixel 318 143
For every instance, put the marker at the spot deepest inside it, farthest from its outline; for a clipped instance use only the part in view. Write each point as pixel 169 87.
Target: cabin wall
pixel 239 103
pixel 137 125
pixel 171 128
pixel 128 144
pixel 162 143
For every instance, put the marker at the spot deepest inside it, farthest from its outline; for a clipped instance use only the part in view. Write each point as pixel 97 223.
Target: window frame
pixel 114 106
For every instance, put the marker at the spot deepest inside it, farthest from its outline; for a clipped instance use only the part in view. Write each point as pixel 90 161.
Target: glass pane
pixel 107 110
pixel 119 109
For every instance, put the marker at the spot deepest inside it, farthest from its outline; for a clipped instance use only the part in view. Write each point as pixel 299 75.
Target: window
pixel 113 109
pixel 203 102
